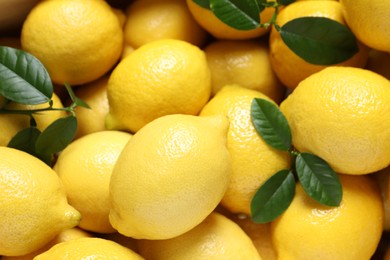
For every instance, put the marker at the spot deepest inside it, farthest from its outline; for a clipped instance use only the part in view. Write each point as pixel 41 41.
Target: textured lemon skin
pixel 89 248
pixel 368 23
pixel 289 67
pixel 162 77
pixel 170 176
pixel 253 160
pixel 217 237
pixel 339 115
pixel 77 41
pixel 33 205
pixel 308 230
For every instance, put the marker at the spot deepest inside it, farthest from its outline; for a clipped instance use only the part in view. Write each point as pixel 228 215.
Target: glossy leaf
pixel 318 179
pixel 271 124
pixel 202 3
pixel 57 136
pixel 25 140
pixel 23 78
pixel 273 197
pixel 319 40
pixel 239 14
pixel 77 101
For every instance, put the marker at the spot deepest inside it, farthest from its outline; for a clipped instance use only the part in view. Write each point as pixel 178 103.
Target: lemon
pixel 162 77
pixel 149 20
pixel 71 39
pixel 88 248
pixel 308 230
pixel 220 30
pixel 170 176
pixel 33 205
pixel 245 63
pixel 85 167
pixel 125 241
pixel 91 120
pixel 253 160
pixel 289 67
pixel 383 180
pixel 10 125
pixel 217 237
pixel 338 114
pixel 367 21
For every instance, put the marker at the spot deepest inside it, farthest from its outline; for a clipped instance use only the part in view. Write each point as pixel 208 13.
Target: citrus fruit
pixel 253 160
pixel 288 66
pixel 149 20
pixel 338 115
pixel 245 63
pixel 162 77
pixel 88 248
pixel 170 176
pixel 71 39
pixel 309 230
pixel 220 30
pixel 33 205
pixel 85 167
pixel 367 21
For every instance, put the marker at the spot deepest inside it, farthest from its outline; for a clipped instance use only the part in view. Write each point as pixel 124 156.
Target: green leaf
pixel 318 179
pixel 77 101
pixel 271 124
pixel 202 3
pixel 319 40
pixel 25 140
pixel 56 136
pixel 23 78
pixel 286 2
pixel 273 197
pixel 239 14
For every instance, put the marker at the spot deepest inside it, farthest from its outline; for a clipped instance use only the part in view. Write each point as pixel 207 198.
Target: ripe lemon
pixel 77 41
pixel 88 248
pixel 245 63
pixel 85 167
pixel 90 120
pixel 383 180
pixel 289 67
pixel 367 20
pixel 217 237
pixel 339 115
pixel 170 176
pixel 162 77
pixel 33 205
pixel 125 241
pixel 10 125
pixel 150 20
pixel 220 30
pixel 253 160
pixel 308 230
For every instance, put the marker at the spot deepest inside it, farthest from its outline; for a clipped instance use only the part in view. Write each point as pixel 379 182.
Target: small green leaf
pixel 273 197
pixel 77 101
pixel 23 78
pixel 319 40
pixel 271 124
pixel 239 14
pixel 202 3
pixel 286 2
pixel 318 179
pixel 56 136
pixel 25 140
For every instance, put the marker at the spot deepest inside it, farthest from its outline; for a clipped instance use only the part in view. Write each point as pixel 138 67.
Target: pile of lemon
pixel 165 163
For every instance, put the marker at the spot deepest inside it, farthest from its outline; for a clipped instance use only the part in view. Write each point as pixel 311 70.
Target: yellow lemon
pixel 367 20
pixel 150 20
pixel 170 176
pixel 33 205
pixel 92 119
pixel 383 180
pixel 85 167
pixel 77 41
pixel 88 248
pixel 217 237
pixel 125 241
pixel 253 160
pixel 338 114
pixel 10 125
pixel 162 77
pixel 220 30
pixel 308 230
pixel 245 63
pixel 289 67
